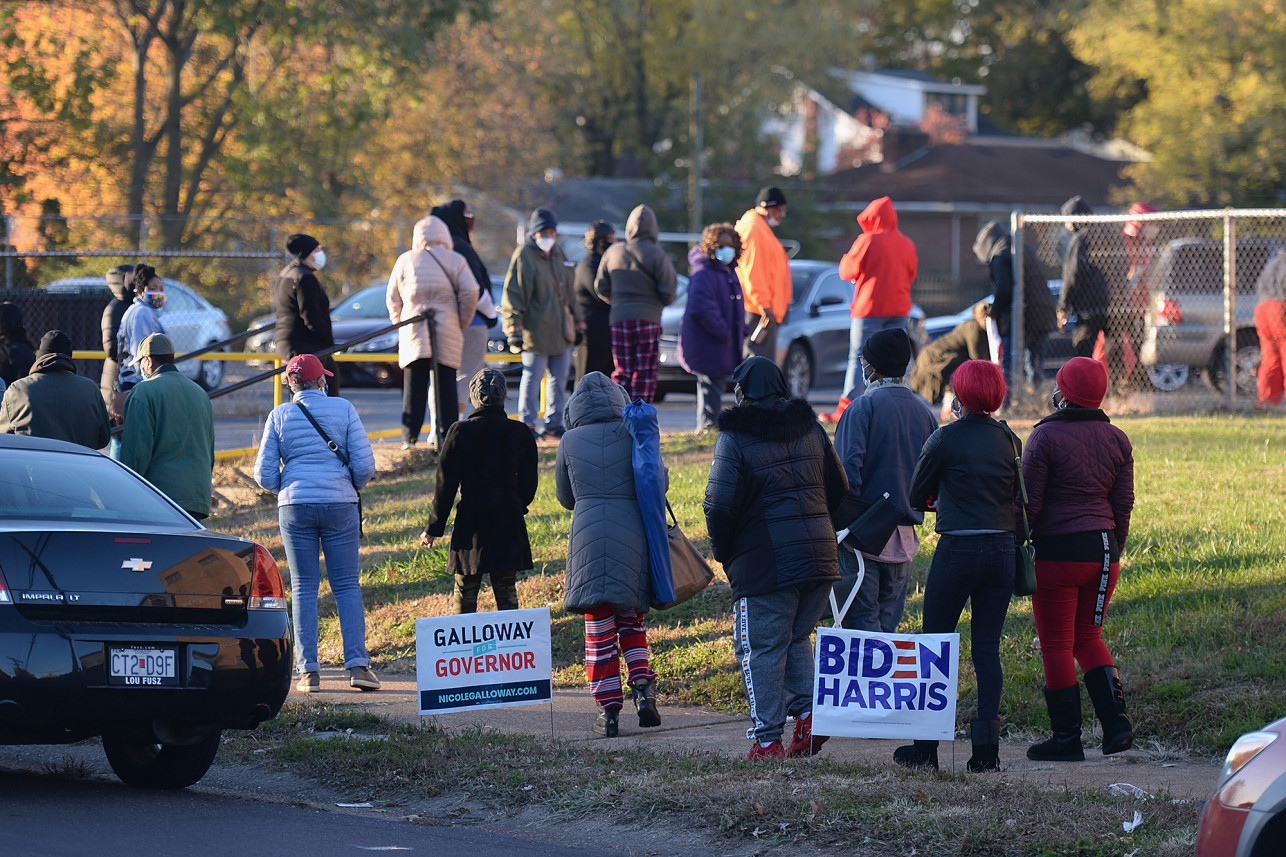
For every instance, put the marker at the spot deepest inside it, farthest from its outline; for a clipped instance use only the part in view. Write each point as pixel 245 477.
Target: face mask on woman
pixel 545 243
pixel 319 259
pixel 155 300
pixel 725 255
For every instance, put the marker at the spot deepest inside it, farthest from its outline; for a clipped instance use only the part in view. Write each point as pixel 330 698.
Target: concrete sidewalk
pixel 686 729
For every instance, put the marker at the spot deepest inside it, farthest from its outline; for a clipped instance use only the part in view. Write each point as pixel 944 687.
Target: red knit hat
pixel 979 385
pixel 1083 382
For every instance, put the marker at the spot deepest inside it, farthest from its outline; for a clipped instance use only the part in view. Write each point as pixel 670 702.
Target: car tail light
pixel 1168 312
pixel 4 590
pixel 267 592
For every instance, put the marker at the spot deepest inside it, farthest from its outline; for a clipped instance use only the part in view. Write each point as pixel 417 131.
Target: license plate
pixel 142 667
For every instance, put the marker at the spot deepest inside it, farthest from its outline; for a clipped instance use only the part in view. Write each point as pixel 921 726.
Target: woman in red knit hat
pixel 966 473
pixel 1079 470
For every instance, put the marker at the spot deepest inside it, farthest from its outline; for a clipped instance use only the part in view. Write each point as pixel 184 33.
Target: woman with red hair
pixel 966 473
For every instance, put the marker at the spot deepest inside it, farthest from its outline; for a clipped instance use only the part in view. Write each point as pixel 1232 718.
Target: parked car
pixel 122 617
pixel 1246 817
pixel 1185 323
pixel 191 321
pixel 812 344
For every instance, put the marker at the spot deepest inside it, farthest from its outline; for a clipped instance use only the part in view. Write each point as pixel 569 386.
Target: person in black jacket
pixel 967 474
pixel 118 280
pixel 303 310
pixel 774 483
pixel 994 248
pixel 491 460
pixel 1093 284
pixel 594 351
pixel 16 353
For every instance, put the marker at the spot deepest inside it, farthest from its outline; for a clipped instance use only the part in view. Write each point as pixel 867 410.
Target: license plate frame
pixel 143 666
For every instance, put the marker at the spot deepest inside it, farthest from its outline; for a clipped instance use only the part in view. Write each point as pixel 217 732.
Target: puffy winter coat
pixel 110 325
pixel 881 264
pixel 137 323
pixel 537 287
pixel 774 483
pixel 303 313
pixel 764 269
pixel 297 465
pixel 636 277
pixel 594 476
pixel 1079 470
pixel 714 320
pixel 431 276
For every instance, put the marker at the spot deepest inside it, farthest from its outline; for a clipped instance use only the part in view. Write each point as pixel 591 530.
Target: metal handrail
pixel 215 346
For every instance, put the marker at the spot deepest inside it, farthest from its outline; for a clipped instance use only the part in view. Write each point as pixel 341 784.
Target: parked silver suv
pixel 1185 324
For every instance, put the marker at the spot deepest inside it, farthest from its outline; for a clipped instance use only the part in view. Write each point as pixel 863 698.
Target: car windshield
pixel 800 279
pixel 368 303
pixel 40 484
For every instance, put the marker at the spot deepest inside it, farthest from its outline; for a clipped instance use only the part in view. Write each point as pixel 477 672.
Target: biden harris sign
pixel 483 660
pixel 873 685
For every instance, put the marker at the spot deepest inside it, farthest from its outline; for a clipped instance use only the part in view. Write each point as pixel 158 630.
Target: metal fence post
pixel 1230 302
pixel 1017 362
pixel 8 260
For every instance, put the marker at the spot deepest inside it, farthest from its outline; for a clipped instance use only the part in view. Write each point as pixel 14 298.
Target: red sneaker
pixel 803 742
pixel 766 751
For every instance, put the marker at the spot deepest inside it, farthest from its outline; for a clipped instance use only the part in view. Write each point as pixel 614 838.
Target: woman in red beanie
pixel 966 473
pixel 1079 470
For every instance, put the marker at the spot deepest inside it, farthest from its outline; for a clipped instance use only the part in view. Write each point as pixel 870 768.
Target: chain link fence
pixel 1166 300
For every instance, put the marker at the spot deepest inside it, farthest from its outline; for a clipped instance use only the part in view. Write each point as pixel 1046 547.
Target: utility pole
pixel 697 141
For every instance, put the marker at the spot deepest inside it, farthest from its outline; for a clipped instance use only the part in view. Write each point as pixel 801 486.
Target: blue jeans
pixel 307 529
pixel 1033 356
pixel 879 602
pixel 709 399
pixel 861 330
pixel 533 369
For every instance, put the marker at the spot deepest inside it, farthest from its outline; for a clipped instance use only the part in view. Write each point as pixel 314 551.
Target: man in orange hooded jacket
pixel 881 264
pixel 764 270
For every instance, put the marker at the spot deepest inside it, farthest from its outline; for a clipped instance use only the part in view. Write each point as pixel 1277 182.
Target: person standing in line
pixel 491 460
pixel 638 280
pixel 303 309
pixel 594 352
pixel 968 475
pixel 879 438
pixel 714 320
pixel 16 353
pixel 169 429
pixel 118 281
pixel 1270 324
pixel 1080 506
pixel 608 575
pixel 458 218
pixel 1093 286
pixel 774 483
pixel 764 271
pixel 994 248
pixel 319 511
pixel 541 319
pixel 430 276
pixel 882 265
pixel 53 401
pixel 141 319
pixel 1139 237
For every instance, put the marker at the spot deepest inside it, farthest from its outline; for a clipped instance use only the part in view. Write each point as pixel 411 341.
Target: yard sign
pixel 483 660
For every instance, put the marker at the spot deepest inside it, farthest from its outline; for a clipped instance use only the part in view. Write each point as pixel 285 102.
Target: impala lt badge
pixel 136 564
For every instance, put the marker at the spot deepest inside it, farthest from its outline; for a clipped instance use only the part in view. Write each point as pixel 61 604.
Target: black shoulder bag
pixel 1025 555
pixel 334 447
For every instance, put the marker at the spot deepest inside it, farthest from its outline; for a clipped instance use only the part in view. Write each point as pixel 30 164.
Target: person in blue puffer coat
pixel 714 319
pixel 319 510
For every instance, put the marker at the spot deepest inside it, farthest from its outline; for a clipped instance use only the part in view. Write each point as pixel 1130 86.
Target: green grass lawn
pixel 1196 624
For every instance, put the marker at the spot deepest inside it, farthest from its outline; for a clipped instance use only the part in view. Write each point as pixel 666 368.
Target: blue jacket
pixel 714 321
pixel 297 465
pixel 138 322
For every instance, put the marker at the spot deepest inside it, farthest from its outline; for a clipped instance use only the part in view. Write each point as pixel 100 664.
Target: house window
pixel 951 103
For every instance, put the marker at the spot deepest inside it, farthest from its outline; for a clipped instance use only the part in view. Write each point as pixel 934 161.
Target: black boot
pixel 986 746
pixel 921 754
pixel 645 702
pixel 1064 706
pixel 608 723
pixel 1104 686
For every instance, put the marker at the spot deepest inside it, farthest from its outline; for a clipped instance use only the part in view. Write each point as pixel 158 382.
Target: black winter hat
pixel 770 196
pixel 541 218
pixel 888 352
pixel 54 342
pixel 301 246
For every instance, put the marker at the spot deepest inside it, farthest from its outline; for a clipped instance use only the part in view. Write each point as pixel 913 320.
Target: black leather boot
pixel 1064 706
pixel 920 754
pixel 645 703
pixel 608 723
pixel 986 746
pixel 1104 686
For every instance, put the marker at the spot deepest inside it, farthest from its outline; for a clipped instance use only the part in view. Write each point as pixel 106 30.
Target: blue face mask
pixel 725 255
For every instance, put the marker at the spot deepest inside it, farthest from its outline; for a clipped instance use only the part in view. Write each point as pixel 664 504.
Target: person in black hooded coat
pixel 119 281
pixel 594 351
pixel 774 483
pixel 303 309
pixel 994 248
pixel 16 353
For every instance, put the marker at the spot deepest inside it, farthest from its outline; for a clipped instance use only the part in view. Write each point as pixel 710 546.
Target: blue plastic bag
pixel 649 487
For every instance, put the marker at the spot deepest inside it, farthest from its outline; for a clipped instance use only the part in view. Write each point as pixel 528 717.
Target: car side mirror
pixel 828 300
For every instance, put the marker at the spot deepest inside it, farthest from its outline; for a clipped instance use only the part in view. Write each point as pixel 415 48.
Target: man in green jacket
pixel 169 429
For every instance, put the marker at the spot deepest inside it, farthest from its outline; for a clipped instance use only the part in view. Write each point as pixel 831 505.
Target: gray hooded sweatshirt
pixel 636 277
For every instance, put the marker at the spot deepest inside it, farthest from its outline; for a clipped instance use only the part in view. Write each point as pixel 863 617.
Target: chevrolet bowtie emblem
pixel 136 564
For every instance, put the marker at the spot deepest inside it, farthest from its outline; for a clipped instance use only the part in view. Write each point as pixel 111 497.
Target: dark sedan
pixel 122 617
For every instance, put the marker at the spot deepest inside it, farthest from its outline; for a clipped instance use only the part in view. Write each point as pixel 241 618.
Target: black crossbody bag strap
pixel 1022 484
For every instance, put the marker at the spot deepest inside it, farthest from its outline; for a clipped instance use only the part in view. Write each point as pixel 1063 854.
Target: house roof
pixel 1019 173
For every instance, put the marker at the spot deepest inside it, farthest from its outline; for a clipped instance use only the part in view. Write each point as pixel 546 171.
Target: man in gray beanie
pixel 53 401
pixel 892 422
pixel 491 460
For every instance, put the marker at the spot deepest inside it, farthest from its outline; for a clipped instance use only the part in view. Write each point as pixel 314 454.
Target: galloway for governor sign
pixel 483 660
pixel 873 685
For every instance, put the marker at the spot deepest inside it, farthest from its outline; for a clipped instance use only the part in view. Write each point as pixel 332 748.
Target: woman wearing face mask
pixel 1079 470
pixel 303 310
pixel 141 319
pixel 966 473
pixel 714 320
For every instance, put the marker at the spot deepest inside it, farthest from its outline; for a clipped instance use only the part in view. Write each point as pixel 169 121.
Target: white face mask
pixel 545 243
pixel 318 259
pixel 774 222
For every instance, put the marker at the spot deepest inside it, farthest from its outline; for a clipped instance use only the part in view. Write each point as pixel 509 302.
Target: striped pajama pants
pixel 636 351
pixel 610 633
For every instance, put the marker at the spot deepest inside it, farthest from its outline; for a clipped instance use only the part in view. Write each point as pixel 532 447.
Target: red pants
pixel 609 633
pixel 1064 605
pixel 636 352
pixel 1270 324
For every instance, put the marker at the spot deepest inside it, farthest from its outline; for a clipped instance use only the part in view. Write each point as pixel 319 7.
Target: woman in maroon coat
pixel 1079 470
